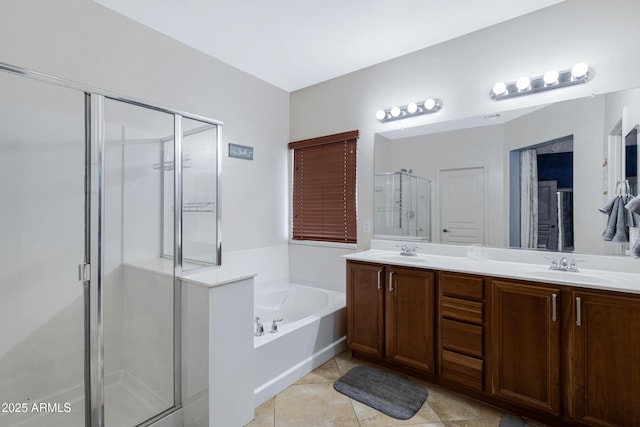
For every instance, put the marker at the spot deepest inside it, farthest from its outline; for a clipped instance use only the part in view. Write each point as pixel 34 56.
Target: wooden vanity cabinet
pixel 410 318
pixel 390 314
pixel 365 308
pixel 525 350
pixel 606 337
pixel 461 329
pixel 567 355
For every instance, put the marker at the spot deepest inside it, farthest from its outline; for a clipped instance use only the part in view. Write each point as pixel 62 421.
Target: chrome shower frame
pixel 93 262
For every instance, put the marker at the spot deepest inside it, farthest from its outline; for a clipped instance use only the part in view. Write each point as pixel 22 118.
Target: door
pixel 548 215
pixel 526 345
pixel 606 346
pixel 42 224
pixel 410 318
pixel 138 301
pixel 462 199
pixel 365 308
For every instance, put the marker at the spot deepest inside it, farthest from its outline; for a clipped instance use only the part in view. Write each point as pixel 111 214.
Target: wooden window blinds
pixel 324 188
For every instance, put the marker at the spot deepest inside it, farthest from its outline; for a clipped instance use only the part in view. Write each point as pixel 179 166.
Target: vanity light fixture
pixel 413 109
pixel 552 79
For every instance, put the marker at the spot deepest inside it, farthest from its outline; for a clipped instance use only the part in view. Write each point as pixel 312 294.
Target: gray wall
pixel 461 72
pixel 82 41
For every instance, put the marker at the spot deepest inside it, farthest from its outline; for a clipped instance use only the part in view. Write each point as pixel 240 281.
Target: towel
pixel 622 232
pixel 610 231
pixel 606 208
pixel 634 205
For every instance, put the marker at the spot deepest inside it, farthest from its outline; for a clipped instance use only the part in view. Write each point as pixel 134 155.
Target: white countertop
pixel 587 278
pixel 202 276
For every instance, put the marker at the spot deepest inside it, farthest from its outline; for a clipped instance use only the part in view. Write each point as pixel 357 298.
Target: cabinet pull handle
pixel 578 311
pixel 391 281
pixel 554 307
pixel 379 279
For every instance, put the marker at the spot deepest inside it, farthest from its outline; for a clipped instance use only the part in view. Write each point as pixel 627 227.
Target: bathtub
pixel 312 331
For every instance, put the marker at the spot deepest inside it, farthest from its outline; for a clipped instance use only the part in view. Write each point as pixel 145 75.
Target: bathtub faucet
pixel 259 328
pixel 274 326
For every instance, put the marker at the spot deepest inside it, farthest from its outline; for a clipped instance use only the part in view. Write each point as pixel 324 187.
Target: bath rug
pixel 389 394
pixel 512 421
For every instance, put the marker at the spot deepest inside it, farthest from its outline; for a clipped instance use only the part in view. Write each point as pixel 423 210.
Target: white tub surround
pixel 217 348
pixel 312 331
pixel 595 271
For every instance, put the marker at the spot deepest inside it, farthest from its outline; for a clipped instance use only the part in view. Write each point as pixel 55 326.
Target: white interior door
pixel 462 200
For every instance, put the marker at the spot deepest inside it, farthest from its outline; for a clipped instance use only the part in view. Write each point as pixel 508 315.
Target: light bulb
pixel 500 88
pixel 579 70
pixel 551 77
pixel 380 115
pixel 430 104
pixel 395 111
pixel 523 83
pixel 412 108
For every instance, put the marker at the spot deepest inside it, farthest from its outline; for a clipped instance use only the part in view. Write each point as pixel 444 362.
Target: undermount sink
pixel 400 258
pixel 568 276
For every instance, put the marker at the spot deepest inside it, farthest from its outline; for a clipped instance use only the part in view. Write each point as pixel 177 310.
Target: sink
pixel 568 276
pixel 400 258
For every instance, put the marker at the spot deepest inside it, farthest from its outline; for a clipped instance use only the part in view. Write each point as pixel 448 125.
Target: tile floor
pixel 312 401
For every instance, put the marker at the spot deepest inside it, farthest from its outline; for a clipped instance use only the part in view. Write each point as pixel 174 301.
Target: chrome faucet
pixel 259 328
pixel 408 250
pixel 274 326
pixel 564 265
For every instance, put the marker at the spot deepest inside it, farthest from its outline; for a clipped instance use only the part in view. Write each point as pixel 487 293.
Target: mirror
pixel 474 169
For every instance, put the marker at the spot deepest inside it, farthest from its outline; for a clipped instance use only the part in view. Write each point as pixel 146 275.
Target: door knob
pixel 445 230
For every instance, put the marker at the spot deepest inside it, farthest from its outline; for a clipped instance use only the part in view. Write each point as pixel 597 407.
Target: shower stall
pixel 402 206
pixel 106 202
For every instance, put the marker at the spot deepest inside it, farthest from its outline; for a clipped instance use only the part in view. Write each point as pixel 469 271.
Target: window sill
pixel 324 244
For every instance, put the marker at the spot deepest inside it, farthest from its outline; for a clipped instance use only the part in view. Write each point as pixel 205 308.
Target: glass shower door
pixel 42 224
pixel 138 284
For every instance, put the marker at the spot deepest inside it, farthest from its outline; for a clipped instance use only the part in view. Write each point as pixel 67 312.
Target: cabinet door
pixel 606 346
pixel 410 318
pixel 525 345
pixel 365 308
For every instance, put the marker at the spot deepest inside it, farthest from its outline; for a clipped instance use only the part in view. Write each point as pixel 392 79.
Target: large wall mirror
pixel 532 178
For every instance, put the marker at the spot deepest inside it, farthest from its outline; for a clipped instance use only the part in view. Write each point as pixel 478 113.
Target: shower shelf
pixel 169 165
pixel 199 207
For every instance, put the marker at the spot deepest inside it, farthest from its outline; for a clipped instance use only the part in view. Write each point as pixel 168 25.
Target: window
pixel 324 188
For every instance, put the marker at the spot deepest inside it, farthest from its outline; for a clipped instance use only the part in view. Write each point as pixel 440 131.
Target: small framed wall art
pixel 240 151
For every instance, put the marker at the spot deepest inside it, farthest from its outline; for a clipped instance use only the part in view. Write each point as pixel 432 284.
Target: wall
pixel 81 41
pixel 461 72
pixel 84 42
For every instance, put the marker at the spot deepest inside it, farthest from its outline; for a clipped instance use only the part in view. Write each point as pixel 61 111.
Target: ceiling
pixel 293 44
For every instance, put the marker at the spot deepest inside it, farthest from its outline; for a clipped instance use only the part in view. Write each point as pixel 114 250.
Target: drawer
pixel 461 309
pixel 462 337
pixel 457 285
pixel 462 369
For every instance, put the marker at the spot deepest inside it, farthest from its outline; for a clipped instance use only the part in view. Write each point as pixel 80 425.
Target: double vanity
pixel 499 325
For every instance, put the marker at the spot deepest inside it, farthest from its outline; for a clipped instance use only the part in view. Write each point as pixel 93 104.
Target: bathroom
pixel 255 194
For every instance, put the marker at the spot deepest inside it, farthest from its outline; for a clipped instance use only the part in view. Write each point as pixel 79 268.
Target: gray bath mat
pixel 512 421
pixel 387 393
